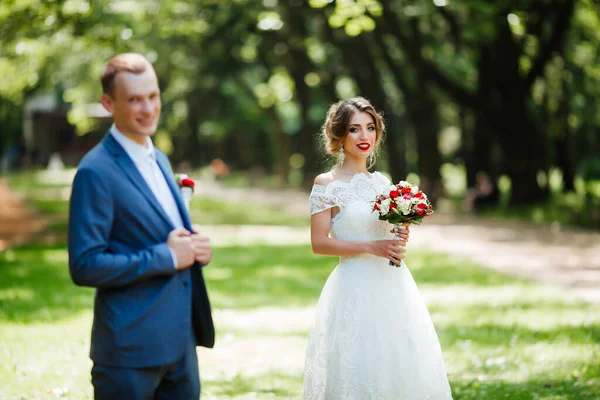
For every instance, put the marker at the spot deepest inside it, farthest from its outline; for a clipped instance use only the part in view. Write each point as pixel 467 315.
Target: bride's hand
pixel 403 234
pixel 393 250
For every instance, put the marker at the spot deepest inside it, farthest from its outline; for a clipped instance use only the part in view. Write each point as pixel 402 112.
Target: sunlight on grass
pixel 36 358
pixel 16 294
pixel 40 179
pixel 212 212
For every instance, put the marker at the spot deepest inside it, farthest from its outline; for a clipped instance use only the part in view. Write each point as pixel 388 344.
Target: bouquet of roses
pixel 402 203
pixel 186 185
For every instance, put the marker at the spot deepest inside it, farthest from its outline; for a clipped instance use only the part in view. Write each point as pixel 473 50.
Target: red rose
pixel 419 195
pixel 394 194
pixel 406 190
pixel 393 205
pixel 376 207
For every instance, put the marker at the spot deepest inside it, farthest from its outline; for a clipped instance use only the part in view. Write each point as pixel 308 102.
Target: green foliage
pixel 249 82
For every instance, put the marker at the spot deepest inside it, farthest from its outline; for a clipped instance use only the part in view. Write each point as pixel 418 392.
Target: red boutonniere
pixel 187 182
pixel 186 186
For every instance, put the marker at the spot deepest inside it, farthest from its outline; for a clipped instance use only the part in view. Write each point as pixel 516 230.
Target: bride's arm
pixel 320 224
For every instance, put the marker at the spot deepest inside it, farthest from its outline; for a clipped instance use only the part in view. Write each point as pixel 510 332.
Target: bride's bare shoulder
pixel 324 179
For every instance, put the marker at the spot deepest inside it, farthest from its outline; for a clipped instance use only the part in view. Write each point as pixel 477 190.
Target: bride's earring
pixel 341 156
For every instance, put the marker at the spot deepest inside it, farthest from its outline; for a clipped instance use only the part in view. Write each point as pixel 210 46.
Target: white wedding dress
pixel 372 336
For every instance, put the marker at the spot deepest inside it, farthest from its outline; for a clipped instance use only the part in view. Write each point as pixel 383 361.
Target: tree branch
pixel 413 46
pixel 555 41
pixel 453 24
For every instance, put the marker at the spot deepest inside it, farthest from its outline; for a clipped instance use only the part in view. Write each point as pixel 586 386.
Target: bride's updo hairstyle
pixel 335 128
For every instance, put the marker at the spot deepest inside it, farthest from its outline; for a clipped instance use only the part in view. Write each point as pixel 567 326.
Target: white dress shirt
pixel 144 158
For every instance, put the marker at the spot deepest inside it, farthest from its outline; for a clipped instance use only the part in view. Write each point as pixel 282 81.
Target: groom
pixel 130 237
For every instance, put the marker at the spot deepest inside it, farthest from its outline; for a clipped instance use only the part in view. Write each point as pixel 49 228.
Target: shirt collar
pixel 134 150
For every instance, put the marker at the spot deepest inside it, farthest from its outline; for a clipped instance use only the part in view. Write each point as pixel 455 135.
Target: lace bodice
pixel 355 221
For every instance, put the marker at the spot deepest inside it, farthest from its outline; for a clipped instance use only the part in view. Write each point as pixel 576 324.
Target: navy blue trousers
pixel 176 381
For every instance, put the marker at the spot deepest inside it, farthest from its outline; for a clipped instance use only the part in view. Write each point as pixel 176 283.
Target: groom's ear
pixel 107 102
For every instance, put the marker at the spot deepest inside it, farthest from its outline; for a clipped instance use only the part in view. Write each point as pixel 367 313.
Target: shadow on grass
pixel 498 335
pixel 279 386
pixel 534 389
pixel 35 285
pixel 271 385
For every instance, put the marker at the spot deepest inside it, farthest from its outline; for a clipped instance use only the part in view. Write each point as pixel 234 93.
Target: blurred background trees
pixel 507 87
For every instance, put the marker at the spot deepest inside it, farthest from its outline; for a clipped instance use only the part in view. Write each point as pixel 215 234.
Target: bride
pixel 372 336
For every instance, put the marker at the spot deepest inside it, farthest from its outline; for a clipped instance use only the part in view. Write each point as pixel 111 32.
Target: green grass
pixel 32 181
pixel 212 212
pixel 243 179
pixel 502 337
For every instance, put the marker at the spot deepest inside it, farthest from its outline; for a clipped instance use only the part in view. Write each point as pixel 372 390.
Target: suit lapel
pixel 163 163
pixel 132 173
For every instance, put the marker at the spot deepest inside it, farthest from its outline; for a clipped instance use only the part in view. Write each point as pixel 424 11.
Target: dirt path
pixel 561 256
pixel 569 258
pixel 18 220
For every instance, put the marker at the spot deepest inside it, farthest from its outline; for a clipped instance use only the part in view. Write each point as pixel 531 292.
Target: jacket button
pixel 185 284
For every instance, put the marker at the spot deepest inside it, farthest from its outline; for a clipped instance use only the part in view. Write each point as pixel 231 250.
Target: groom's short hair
pixel 126 62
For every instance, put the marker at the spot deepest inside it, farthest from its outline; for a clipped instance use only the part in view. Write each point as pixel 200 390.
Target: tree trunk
pixel 422 111
pixel 503 110
pixel 283 148
pixel 306 134
pixel 565 142
pixel 467 149
pixel 299 65
pixel 192 146
pixel 483 129
pixel 395 147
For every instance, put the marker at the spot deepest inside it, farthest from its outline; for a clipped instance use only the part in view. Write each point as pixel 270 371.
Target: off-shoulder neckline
pixel 354 177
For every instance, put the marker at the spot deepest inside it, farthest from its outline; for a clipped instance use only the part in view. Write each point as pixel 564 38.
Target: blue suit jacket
pixel 145 311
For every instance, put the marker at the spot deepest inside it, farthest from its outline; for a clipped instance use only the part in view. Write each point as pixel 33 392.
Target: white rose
pixel 405 207
pixel 384 208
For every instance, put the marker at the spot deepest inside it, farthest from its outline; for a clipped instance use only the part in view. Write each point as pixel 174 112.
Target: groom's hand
pixel 180 242
pixel 201 245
